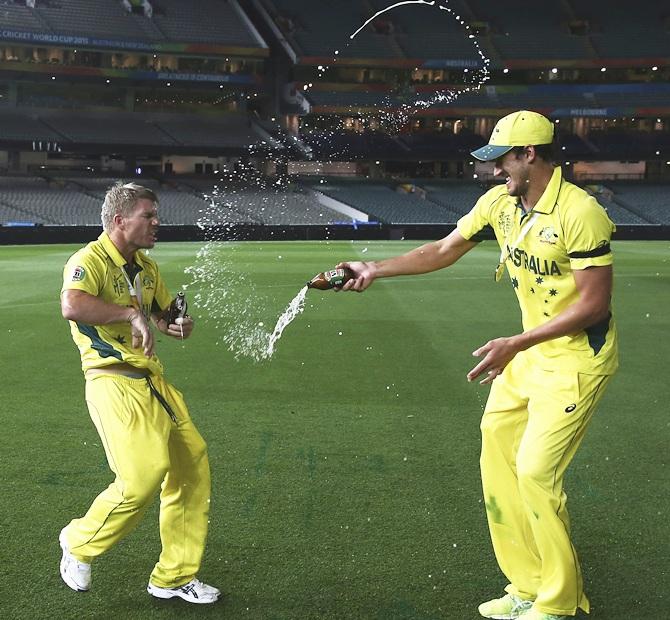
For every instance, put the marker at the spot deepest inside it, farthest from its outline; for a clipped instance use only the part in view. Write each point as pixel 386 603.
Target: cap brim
pixel 489 152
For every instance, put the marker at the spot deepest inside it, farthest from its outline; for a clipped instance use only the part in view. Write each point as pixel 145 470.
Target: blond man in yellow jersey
pixel 111 294
pixel 545 381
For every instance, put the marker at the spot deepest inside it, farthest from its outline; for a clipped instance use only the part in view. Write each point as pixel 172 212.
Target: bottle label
pixel 335 276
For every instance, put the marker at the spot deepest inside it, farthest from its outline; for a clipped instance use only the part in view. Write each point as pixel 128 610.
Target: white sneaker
pixel 76 574
pixel 509 607
pixel 193 592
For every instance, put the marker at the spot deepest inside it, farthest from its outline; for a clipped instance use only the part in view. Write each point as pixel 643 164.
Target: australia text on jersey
pixel 538 265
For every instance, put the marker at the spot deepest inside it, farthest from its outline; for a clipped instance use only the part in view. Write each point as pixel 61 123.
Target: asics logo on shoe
pixel 192 592
pixel 189 589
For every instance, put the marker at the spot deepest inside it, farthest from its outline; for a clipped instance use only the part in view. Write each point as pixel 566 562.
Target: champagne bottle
pixel 177 309
pixel 331 279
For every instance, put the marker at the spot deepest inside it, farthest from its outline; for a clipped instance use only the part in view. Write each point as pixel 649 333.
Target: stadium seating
pixel 627 30
pixel 77 201
pixel 112 129
pixel 280 205
pixel 321 29
pixel 627 145
pixel 428 145
pixel 234 130
pixel 20 17
pixel 423 32
pixel 331 145
pixel 224 131
pixel 12 215
pixel 456 197
pixel 49 203
pixel 385 204
pixel 650 203
pixel 20 127
pixel 206 21
pixel 95 18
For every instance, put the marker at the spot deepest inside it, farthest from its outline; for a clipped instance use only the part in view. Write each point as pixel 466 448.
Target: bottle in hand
pixel 331 279
pixel 177 309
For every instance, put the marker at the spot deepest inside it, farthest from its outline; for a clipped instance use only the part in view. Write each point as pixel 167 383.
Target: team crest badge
pixel 548 235
pixel 78 274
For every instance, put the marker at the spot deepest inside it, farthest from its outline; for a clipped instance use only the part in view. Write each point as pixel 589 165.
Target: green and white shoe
pixel 509 607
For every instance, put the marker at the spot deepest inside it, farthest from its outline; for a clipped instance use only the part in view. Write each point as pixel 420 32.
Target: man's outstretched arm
pixel 424 259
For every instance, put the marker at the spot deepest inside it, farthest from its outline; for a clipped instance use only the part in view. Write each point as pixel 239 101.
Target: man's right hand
pixel 142 336
pixel 365 274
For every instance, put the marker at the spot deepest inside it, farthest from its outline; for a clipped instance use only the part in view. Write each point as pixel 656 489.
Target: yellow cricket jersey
pixel 97 269
pixel 568 231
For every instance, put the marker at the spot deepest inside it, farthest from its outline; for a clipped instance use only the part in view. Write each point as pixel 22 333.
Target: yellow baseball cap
pixel 517 129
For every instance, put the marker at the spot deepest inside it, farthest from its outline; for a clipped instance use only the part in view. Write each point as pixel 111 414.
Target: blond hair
pixel 121 199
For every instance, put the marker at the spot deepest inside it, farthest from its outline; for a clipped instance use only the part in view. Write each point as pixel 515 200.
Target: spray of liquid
pixel 225 295
pixel 294 308
pixel 392 115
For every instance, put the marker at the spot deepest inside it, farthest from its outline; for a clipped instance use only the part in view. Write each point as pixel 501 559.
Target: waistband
pixel 123 369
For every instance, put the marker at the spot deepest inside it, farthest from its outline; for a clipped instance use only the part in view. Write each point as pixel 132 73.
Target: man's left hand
pixel 497 354
pixel 180 330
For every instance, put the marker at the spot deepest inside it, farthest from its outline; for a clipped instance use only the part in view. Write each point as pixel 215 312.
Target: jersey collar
pixel 549 197
pixel 115 255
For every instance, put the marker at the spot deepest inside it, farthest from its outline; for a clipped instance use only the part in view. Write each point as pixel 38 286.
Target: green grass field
pixel 345 469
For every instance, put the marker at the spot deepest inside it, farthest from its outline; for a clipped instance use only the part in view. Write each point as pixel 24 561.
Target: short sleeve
pixel 84 271
pixel 476 225
pixel 588 232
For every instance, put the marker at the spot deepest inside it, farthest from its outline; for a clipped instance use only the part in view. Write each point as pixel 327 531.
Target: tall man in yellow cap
pixel 112 291
pixel 545 381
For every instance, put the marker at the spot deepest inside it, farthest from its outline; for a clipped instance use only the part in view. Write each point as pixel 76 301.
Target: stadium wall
pixel 23 235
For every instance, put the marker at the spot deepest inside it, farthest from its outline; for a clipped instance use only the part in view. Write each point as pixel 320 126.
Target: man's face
pixel 514 166
pixel 141 226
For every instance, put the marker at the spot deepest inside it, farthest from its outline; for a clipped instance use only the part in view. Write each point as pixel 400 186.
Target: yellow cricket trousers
pixel 532 425
pixel 147 450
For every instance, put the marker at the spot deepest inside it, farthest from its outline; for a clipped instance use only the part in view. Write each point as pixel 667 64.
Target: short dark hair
pixel 544 151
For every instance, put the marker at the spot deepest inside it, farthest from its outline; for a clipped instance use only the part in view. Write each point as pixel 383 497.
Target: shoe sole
pixel 163 595
pixel 63 573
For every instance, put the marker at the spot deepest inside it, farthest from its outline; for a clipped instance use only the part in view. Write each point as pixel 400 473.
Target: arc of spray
pixel 388 8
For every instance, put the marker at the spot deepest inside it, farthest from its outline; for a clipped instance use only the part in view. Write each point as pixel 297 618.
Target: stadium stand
pixel 422 33
pixel 22 18
pixel 512 31
pixel 627 144
pixel 234 130
pixel 68 201
pixel 407 54
pixel 94 18
pixel 456 197
pixel 48 203
pixel 517 32
pixel 386 204
pixel 25 128
pixel 333 145
pixel 130 129
pixel 272 205
pixel 321 29
pixel 428 145
pixel 206 21
pixel 117 129
pixel 650 203
pixel 627 30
